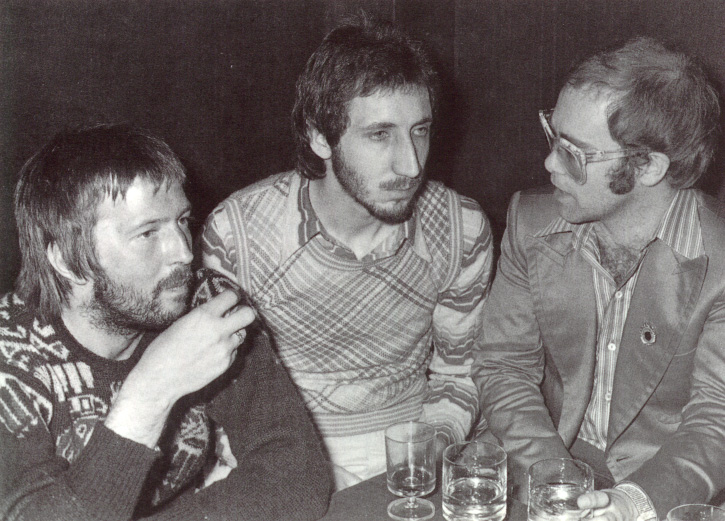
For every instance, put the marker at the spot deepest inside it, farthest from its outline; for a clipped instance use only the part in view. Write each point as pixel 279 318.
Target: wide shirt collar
pixel 679 228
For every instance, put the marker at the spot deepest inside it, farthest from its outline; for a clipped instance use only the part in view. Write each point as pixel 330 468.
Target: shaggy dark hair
pixel 57 196
pixel 357 59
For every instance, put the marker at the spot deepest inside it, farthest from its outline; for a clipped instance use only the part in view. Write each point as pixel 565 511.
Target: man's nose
pixel 407 159
pixel 179 246
pixel 550 163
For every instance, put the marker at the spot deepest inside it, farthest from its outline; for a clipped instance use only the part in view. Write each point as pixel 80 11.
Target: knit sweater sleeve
pixel 452 403
pixel 282 472
pixel 104 482
pixel 39 480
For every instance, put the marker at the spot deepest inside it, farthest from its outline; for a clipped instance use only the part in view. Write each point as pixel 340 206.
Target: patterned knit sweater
pixel 356 334
pixel 55 392
pixel 59 461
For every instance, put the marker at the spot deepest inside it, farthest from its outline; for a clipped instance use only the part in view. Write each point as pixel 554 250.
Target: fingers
pixel 241 335
pixel 225 305
pixel 241 317
pixel 596 499
pixel 221 303
pixel 232 356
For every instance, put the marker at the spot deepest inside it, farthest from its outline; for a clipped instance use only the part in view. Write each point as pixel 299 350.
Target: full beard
pixel 124 310
pixel 354 185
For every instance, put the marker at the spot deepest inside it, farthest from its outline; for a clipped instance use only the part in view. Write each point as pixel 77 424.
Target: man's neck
pixel 623 235
pixel 106 344
pixel 635 224
pixel 345 219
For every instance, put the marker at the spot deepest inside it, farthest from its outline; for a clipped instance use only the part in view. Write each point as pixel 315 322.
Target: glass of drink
pixel 555 485
pixel 696 513
pixel 474 482
pixel 410 452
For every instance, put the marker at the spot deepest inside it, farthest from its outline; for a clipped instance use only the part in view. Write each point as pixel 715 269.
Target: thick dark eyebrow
pixel 379 125
pixel 144 224
pixel 185 210
pixel 382 125
pixel 576 142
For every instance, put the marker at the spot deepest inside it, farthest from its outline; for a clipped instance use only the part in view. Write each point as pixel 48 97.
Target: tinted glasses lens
pixel 568 157
pixel 570 162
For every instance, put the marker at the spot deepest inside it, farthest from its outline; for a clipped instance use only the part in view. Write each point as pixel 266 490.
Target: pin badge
pixel 647 334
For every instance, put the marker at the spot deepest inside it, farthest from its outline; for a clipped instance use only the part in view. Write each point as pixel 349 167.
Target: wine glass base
pixel 411 509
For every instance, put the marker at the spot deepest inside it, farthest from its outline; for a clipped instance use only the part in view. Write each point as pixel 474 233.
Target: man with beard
pixel 370 279
pixel 105 408
pixel 603 334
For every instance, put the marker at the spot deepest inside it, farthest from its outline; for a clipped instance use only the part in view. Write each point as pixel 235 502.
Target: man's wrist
pixel 640 500
pixel 138 417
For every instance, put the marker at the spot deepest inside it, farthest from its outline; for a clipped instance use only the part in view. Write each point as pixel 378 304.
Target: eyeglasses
pixel 573 158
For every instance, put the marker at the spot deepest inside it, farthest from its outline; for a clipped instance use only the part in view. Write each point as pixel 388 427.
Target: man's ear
pixel 654 171
pixel 319 145
pixel 55 257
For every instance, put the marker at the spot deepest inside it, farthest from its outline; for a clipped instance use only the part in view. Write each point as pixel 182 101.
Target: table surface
pixel 368 501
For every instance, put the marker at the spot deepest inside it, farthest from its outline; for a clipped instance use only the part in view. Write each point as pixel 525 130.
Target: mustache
pixel 401 184
pixel 182 277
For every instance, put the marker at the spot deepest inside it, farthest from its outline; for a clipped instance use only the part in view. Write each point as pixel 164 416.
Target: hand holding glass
pixel 410 452
pixel 696 513
pixel 474 482
pixel 555 485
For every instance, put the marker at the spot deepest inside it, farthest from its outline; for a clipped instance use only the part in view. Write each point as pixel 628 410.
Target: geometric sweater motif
pixel 369 341
pixel 54 394
pixel 50 383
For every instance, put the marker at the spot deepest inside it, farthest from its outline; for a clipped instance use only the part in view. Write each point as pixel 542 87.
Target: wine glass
pixel 410 452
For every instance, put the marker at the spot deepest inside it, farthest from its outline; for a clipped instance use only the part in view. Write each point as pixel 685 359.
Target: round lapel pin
pixel 647 334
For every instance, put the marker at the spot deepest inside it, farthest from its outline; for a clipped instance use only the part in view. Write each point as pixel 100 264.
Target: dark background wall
pixel 215 78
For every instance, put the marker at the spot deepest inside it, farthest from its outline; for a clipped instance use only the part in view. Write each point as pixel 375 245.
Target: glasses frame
pixel 582 157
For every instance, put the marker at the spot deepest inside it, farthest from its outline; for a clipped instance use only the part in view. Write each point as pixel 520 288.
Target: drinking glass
pixel 696 513
pixel 410 452
pixel 555 485
pixel 474 482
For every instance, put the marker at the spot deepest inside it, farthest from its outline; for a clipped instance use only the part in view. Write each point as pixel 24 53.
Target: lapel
pixel 565 305
pixel 665 295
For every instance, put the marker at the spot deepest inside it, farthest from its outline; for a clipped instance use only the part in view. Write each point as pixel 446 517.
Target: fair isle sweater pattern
pixel 49 382
pixel 356 334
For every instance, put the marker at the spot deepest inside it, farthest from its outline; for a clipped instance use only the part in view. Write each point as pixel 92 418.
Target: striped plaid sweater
pixel 368 341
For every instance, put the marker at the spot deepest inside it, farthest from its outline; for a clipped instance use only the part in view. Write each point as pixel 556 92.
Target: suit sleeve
pixel 452 404
pixel 509 364
pixel 690 465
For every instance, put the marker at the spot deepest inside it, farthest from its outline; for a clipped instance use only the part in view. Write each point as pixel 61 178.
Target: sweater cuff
pixel 643 504
pixel 110 471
